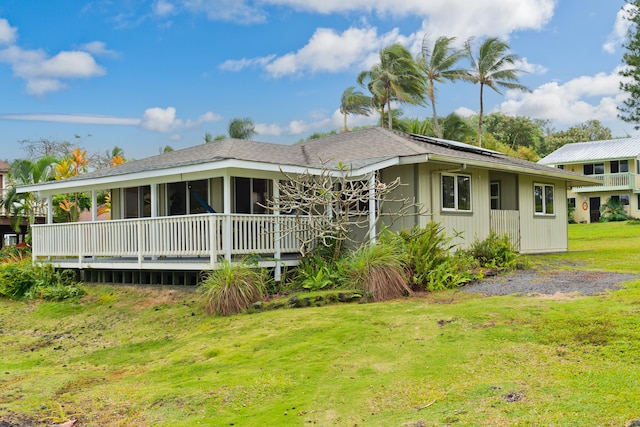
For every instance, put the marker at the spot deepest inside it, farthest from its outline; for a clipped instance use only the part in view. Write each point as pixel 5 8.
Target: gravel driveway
pixel 530 281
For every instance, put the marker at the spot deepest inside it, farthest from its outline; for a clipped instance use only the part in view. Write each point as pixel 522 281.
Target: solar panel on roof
pixel 454 145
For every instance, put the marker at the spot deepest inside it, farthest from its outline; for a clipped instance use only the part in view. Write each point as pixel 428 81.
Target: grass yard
pixel 127 356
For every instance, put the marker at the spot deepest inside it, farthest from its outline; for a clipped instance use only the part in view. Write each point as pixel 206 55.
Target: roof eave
pixel 551 173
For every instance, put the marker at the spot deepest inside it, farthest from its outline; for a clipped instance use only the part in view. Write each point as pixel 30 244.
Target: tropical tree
pixel 67 207
pixel 26 206
pixel 494 67
pixel 242 128
pixel 515 131
pixel 354 102
pixel 591 130
pixel 438 63
pixel 455 128
pixel 396 78
pixel 630 109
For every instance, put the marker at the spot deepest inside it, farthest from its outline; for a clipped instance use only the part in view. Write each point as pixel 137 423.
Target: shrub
pixel 494 251
pixel 25 280
pixel 430 261
pixel 316 271
pixel 377 269
pixel 232 289
pixel 613 210
pixel 15 253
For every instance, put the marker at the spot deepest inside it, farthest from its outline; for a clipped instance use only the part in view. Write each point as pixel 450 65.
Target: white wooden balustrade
pixel 162 240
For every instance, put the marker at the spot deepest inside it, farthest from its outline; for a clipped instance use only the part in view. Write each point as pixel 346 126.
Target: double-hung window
pixel 543 199
pixel 456 192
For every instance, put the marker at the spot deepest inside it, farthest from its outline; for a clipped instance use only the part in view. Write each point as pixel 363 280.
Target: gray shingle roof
pixel 579 152
pixel 356 149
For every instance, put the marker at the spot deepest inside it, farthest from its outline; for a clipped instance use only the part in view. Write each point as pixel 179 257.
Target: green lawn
pixel 149 357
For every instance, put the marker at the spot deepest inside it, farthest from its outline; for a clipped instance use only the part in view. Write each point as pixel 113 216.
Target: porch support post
pixel 155 208
pixel 50 209
pixel 277 272
pixel 226 238
pixel 94 218
pixel 94 206
pixel 154 200
pixel 372 208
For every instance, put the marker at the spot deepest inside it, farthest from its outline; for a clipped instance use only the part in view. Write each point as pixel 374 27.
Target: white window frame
pixel 544 199
pixel 456 194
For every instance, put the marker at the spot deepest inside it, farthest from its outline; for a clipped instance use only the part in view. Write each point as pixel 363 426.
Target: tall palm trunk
pixel 480 117
pixel 436 125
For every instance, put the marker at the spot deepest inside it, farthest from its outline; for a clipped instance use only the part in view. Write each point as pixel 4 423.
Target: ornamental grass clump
pixel 379 270
pixel 232 289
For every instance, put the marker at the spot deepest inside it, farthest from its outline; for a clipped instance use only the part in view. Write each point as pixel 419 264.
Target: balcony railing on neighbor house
pixel 192 242
pixel 612 181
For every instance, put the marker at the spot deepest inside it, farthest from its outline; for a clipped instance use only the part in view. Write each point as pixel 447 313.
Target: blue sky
pixel 143 74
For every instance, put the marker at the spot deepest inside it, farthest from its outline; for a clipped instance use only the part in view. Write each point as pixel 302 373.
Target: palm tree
pixel 242 128
pixel 455 128
pixel 493 67
pixel 396 78
pixel 354 102
pixel 438 64
pixel 27 205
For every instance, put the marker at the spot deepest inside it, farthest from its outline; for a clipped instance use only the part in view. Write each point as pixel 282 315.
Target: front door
pixel 594 209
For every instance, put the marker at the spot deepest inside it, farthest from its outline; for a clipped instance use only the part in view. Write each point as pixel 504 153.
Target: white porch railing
pixel 612 181
pixel 209 235
pixel 507 221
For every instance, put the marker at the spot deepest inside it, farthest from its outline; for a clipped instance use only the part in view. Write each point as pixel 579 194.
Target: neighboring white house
pixel 187 210
pixel 615 162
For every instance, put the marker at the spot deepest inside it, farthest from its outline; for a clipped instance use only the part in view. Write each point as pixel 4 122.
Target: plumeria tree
pixel 337 203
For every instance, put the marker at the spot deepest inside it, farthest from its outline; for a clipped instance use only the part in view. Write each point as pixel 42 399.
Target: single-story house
pixel 186 210
pixel 615 162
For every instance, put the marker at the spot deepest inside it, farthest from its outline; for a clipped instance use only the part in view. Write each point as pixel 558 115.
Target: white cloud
pixel 454 17
pixel 240 64
pixel 99 48
pixel 42 73
pixel 73 118
pixel 160 119
pixel 7 32
pixel 620 28
pixel 580 99
pixel 207 117
pixel 163 8
pixel 326 51
pixel 268 129
pixel 165 120
pixel 226 10
pixel 465 112
pixel 524 65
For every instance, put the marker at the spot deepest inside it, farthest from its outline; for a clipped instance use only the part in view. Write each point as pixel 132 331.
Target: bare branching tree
pixel 329 207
